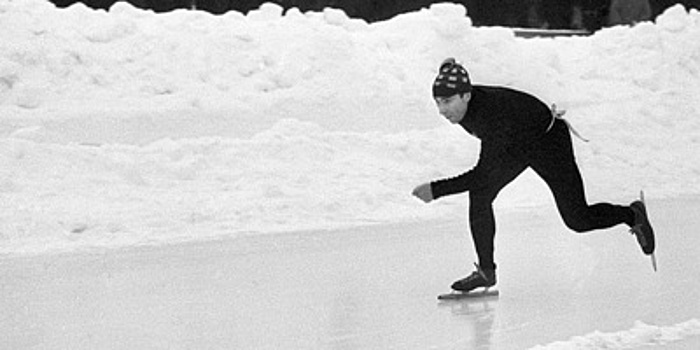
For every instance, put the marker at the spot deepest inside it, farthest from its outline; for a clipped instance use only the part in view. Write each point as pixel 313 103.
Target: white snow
pixel 123 128
pixel 640 335
pixel 128 127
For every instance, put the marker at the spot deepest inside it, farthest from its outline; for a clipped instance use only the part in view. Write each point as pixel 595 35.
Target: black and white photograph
pixel 349 174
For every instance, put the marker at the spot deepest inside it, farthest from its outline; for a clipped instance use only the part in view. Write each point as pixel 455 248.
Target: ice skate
pixel 642 228
pixel 470 286
pixel 478 278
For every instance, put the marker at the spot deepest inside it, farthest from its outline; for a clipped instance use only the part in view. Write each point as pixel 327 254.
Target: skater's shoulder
pixel 496 89
pixel 497 94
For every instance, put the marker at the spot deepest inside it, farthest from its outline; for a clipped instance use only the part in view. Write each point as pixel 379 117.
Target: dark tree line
pixel 524 13
pixel 370 10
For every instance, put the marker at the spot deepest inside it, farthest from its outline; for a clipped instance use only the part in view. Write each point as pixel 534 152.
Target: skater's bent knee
pixel 578 226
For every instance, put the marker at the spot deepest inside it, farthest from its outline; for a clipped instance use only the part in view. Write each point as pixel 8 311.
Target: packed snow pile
pixel 641 335
pixel 126 127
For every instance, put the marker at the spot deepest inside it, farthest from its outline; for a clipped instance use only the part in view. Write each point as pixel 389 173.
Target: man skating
pixel 517 131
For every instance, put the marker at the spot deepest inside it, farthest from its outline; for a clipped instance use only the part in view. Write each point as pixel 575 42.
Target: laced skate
pixel 642 229
pixel 478 278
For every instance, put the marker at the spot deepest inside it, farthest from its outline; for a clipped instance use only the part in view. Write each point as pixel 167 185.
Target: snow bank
pixel 641 335
pixel 341 73
pixel 126 127
pixel 293 176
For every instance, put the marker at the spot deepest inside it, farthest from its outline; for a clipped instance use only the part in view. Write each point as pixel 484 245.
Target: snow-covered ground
pixel 126 128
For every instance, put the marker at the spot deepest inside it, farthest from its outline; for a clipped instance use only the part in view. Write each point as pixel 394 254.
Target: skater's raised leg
pixel 553 160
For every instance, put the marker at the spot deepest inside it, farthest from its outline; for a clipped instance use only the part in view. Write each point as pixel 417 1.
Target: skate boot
pixel 478 278
pixel 642 228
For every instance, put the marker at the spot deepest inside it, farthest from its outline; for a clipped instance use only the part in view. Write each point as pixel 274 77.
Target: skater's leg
pixel 481 217
pixel 554 161
pixel 483 227
pixel 577 214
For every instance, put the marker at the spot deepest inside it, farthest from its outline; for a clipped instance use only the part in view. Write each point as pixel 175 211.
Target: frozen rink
pixel 367 288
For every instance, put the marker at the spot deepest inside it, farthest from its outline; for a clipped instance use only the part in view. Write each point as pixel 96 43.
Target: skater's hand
pixel 424 193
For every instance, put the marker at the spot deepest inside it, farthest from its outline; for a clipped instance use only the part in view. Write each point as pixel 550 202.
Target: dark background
pixel 555 14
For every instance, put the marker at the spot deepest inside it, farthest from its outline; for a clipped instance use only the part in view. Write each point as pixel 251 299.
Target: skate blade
pixel 455 295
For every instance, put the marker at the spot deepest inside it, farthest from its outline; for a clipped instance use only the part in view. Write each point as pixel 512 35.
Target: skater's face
pixel 454 107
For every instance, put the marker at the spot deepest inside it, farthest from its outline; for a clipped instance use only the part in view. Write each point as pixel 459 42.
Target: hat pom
pixel 448 62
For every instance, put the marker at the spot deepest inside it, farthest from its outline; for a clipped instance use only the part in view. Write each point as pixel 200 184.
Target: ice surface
pixel 368 288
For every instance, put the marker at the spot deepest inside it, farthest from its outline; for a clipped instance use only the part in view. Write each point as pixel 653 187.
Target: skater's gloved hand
pixel 424 192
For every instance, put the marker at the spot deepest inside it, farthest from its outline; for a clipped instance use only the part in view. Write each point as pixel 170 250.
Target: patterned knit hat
pixel 452 79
